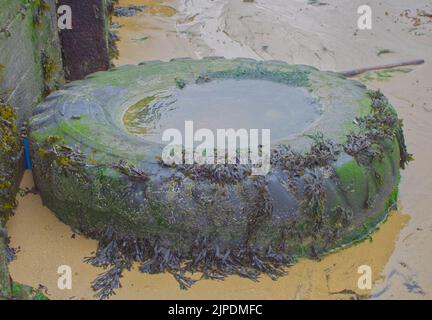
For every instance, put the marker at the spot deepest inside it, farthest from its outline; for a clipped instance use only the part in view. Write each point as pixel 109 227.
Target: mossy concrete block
pixel 30 67
pixel 10 171
pixel 5 283
pixel 29 53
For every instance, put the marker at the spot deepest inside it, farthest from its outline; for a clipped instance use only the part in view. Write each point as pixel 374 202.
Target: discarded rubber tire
pixel 330 184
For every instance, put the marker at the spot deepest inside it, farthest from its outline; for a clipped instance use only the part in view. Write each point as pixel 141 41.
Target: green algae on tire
pixel 330 182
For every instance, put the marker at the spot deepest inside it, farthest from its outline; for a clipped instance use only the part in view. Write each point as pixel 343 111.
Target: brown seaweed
pixel 314 201
pixel 361 148
pixel 380 125
pixel 134 173
pixel 218 173
pixel 322 153
pixel 10 252
pixel 118 253
pixel 106 283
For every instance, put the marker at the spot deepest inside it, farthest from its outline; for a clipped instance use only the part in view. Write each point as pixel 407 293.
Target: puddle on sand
pixel 225 104
pixel 46 243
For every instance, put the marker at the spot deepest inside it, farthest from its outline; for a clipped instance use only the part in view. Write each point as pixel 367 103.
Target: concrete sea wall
pixel 31 66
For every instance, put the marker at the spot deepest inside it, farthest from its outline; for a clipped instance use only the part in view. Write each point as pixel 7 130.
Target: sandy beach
pixel 321 34
pixel 333 277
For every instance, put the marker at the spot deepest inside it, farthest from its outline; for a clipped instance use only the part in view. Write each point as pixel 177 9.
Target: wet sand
pixel 322 36
pixel 151 35
pixel 408 274
pixel 45 244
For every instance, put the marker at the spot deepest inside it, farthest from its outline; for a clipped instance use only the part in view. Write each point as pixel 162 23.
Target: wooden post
pixel 85 46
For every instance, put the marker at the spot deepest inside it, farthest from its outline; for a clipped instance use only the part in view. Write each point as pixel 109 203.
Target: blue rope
pixel 27 154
